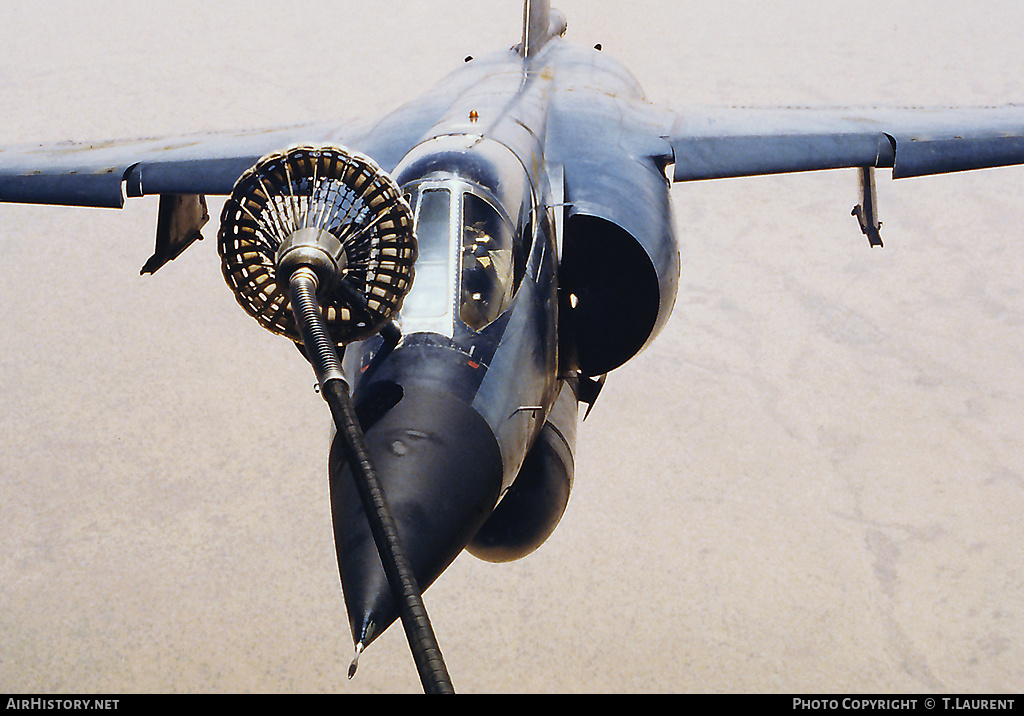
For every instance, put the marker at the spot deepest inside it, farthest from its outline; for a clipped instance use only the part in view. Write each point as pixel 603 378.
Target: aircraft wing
pixel 711 143
pixel 104 173
pixel 184 169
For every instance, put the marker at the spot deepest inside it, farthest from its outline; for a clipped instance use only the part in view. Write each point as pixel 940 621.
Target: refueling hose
pixel 335 390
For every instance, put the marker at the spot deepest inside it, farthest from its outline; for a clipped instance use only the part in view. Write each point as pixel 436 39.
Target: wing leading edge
pixel 712 143
pixel 104 174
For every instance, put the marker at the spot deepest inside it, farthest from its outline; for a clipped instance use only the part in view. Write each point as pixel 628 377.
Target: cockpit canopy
pixel 468 194
pixel 468 265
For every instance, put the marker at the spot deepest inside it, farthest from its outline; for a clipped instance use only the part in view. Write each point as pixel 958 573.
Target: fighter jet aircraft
pixel 512 167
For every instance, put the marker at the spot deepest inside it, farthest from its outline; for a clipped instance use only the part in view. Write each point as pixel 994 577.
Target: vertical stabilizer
pixel 539 26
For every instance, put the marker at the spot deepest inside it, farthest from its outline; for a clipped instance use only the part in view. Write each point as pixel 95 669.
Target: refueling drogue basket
pixel 332 189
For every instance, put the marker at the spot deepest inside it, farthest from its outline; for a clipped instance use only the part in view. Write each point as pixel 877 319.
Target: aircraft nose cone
pixel 440 468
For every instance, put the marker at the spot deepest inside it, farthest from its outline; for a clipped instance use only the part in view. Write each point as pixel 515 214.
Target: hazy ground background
pixel 812 481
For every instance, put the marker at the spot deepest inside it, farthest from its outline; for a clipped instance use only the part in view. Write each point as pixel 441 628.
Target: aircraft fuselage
pixel 455 410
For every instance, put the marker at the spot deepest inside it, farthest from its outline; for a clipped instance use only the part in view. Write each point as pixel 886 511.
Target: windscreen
pixel 430 294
